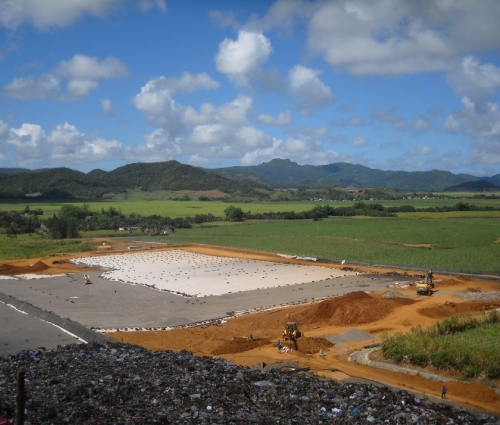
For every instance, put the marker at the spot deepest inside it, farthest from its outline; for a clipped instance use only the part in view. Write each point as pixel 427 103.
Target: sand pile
pixel 352 309
pixel 9 269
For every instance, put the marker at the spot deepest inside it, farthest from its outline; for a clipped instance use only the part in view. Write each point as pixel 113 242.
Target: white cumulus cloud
pixel 486 152
pixel 65 145
pixel 420 124
pixel 424 150
pixel 391 37
pixel 29 142
pixel 81 73
pixel 307 90
pixel 475 80
pixel 46 14
pixel 69 145
pixel 476 122
pixel 359 141
pixel 147 5
pixel 45 87
pixel 241 59
pixel 156 102
pixel 4 130
pixel 388 115
pixel 283 119
pixel 107 106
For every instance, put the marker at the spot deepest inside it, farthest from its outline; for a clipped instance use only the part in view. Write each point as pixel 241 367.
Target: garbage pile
pixel 123 384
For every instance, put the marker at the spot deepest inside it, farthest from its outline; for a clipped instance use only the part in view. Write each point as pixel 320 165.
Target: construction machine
pixel 292 333
pixel 424 287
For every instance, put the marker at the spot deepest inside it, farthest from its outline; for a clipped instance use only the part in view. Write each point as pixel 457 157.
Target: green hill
pixel 170 175
pixel 474 186
pixel 283 173
pixel 238 182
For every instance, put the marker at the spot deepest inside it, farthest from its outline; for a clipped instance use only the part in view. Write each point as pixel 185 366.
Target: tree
pixel 55 227
pixel 234 213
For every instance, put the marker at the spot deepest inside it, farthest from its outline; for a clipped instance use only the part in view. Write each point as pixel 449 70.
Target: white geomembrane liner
pixel 195 274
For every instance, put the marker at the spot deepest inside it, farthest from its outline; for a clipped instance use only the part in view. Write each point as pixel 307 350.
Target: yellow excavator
pixel 292 333
pixel 426 286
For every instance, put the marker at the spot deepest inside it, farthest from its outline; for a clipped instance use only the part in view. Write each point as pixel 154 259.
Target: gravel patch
pixel 392 295
pixel 482 296
pixel 351 335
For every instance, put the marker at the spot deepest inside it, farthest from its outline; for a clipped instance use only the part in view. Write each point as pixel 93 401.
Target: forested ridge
pixel 66 183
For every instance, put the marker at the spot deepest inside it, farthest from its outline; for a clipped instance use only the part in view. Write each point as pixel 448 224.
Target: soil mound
pixel 447 310
pixel 311 345
pixel 352 309
pixel 9 269
pixel 239 345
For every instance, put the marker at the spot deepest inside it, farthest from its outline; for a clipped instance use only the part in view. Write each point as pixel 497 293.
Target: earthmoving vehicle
pixel 292 333
pixel 424 287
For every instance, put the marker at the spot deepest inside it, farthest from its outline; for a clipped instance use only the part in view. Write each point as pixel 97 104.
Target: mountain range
pixel 239 182
pixel 169 175
pixel 283 173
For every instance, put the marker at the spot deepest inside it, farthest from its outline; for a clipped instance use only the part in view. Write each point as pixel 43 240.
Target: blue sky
pixel 391 84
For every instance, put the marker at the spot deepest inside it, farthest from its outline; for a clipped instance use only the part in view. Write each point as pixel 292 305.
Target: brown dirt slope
pixel 11 269
pixel 239 345
pixel 352 309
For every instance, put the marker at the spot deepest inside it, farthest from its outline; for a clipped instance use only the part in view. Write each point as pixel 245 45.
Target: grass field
pixel 26 246
pixel 450 214
pixel 173 209
pixel 462 343
pixel 453 244
pixel 462 241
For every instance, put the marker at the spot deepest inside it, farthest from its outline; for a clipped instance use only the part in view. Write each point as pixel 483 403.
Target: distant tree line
pixel 71 219
pixel 12 222
pixel 359 208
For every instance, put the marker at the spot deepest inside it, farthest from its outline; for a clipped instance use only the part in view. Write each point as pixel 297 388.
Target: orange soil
pixel 367 312
pixel 9 269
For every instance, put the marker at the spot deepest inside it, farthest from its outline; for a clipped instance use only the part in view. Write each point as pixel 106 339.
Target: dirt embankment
pixel 354 308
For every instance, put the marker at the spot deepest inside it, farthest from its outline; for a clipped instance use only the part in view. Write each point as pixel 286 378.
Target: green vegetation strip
pixel 150 204
pixel 454 245
pixel 34 246
pixel 463 344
